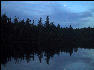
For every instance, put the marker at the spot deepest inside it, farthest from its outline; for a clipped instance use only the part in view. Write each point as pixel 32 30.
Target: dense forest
pixel 21 37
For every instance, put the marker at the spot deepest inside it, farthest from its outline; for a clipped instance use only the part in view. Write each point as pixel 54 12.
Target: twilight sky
pixel 76 13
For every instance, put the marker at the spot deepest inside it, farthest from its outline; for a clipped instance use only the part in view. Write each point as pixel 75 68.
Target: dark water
pixel 83 59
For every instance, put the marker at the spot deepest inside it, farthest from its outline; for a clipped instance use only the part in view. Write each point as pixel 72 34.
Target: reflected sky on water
pixel 83 59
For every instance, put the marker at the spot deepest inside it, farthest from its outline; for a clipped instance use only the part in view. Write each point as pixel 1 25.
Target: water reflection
pixel 19 54
pixel 45 54
pixel 83 59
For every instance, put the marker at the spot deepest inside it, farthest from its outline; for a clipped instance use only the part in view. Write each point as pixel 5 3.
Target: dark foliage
pixel 24 37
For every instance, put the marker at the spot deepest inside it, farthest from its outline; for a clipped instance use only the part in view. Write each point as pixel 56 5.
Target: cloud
pixel 56 10
pixel 86 14
pixel 64 16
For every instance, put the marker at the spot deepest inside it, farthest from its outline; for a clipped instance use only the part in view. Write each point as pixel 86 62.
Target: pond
pixel 83 59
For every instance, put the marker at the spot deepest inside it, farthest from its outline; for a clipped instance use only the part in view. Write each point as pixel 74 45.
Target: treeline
pixel 27 32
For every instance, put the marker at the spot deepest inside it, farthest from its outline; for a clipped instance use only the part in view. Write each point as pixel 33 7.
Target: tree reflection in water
pixel 22 40
pixel 21 52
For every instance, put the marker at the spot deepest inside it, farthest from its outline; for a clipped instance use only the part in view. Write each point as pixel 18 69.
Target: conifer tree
pixel 47 22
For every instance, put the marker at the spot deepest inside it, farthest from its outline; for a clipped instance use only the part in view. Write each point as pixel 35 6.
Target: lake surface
pixel 83 59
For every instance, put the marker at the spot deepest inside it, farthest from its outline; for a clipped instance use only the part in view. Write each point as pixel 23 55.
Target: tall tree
pixel 33 23
pixel 28 21
pixel 58 26
pixel 47 22
pixel 4 19
pixel 40 23
pixel 15 20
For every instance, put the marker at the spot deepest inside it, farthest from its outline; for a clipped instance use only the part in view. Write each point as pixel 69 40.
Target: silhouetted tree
pixel 15 20
pixel 47 22
pixel 40 25
pixel 19 38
